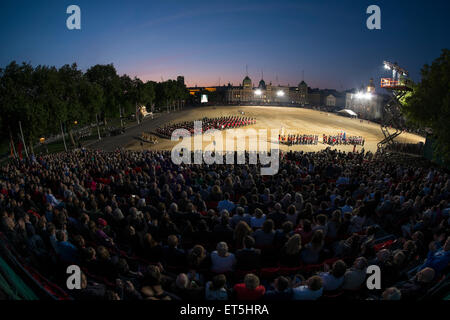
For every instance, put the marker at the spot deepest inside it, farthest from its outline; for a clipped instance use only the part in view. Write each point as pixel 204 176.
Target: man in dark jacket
pixel 248 258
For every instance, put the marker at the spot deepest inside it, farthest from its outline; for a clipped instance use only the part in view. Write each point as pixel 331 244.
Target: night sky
pixel 208 40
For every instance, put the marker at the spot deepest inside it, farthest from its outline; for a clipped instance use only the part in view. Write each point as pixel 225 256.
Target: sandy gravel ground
pixel 274 120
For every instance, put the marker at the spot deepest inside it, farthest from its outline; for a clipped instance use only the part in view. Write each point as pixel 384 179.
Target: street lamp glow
pixel 280 93
pixel 258 92
pixel 359 95
pixel 363 96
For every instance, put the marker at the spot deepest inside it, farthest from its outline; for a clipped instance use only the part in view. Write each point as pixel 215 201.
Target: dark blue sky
pixel 205 40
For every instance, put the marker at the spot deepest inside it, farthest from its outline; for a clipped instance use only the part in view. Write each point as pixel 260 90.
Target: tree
pixel 429 103
pixel 18 94
pixel 106 76
pixel 70 79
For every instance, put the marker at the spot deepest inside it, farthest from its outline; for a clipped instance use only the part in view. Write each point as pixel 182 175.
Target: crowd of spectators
pixel 410 148
pixel 141 227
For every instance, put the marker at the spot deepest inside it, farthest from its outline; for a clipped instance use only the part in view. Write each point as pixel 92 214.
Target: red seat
pixel 212 204
pixel 383 245
pixel 286 271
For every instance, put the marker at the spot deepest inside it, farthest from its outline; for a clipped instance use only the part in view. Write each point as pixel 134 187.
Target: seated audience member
pixel 250 290
pixel 305 231
pixel 290 253
pixel 418 285
pixel 241 230
pixel 282 235
pixel 106 264
pixel 216 289
pixel 172 255
pixel 281 290
pixel 240 216
pixel 277 216
pixel 127 291
pixel 311 252
pixel 312 289
pixel 152 288
pixel 438 258
pixel 226 204
pixel 152 250
pixel 258 218
pixel 292 214
pixel 391 293
pixel 248 258
pixel 355 277
pixel 89 290
pixel 65 250
pixel 187 290
pixel 333 279
pixel 264 237
pixel 198 259
pixel 222 261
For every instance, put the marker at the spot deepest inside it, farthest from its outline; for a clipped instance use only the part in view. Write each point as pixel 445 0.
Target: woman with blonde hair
pixel 312 251
pixel 290 253
pixel 241 230
pixel 216 193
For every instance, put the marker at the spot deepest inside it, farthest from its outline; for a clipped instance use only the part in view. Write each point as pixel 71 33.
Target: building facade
pixel 266 93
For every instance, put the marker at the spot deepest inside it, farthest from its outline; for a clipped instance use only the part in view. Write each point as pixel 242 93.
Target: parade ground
pixel 286 120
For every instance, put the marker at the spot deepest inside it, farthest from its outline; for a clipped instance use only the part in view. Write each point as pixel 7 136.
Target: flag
pixel 20 147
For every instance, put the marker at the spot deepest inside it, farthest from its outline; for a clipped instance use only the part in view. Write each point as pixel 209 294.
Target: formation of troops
pixel 219 123
pixel 294 139
pixel 311 139
pixel 148 137
pixel 343 139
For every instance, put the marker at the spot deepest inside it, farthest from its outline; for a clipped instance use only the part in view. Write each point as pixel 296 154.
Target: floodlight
pixel 280 93
pixel 258 92
pixel 359 95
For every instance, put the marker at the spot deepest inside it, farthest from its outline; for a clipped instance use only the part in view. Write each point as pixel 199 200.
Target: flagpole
pixel 12 144
pixel 63 136
pixel 23 140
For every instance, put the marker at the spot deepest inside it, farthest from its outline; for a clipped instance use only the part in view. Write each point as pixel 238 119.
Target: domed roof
pixel 303 83
pixel 262 84
pixel 247 82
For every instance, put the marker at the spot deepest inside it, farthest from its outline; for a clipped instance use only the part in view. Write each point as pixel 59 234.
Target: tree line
pixel 428 105
pixel 44 99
